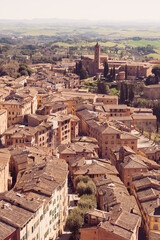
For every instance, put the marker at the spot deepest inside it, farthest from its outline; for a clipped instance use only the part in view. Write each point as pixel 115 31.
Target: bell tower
pixel 97 57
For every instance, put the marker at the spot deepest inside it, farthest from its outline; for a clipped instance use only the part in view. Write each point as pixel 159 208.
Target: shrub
pixel 88 202
pixel 75 220
pixel 81 188
pixel 90 188
pixel 80 178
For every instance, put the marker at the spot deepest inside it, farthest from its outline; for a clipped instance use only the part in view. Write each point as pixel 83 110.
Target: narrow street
pixel 65 236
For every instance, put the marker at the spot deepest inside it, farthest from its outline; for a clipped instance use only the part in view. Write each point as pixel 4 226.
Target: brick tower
pixel 97 57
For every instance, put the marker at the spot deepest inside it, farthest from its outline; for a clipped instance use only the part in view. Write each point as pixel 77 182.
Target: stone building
pixel 152 91
pixel 38 205
pixel 118 218
pixel 3 121
pixel 108 135
pixel 145 188
pixel 94 65
pixel 4 170
pixel 101 227
pixel 63 124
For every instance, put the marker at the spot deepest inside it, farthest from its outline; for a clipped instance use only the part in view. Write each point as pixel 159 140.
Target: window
pixel 156 219
pixel 155 227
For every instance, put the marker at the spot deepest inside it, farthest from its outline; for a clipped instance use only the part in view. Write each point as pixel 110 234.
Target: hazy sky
pixel 81 9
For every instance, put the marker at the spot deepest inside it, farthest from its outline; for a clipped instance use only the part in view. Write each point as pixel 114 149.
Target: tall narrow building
pixel 97 57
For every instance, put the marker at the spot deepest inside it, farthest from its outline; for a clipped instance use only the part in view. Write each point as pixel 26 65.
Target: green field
pixel 83 37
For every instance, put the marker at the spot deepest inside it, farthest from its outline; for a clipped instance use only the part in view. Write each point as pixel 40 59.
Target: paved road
pixel 65 236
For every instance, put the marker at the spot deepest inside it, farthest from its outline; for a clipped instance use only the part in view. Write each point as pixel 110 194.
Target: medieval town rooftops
pixel 85 139
pixel 13 214
pixel 143 110
pixel 129 63
pixel 87 115
pixel 103 215
pixel 77 162
pixel 122 227
pixel 120 118
pixel 4 158
pixel 106 96
pixel 143 116
pixel 43 178
pixel 147 187
pixel 38 117
pixel 115 195
pixel 125 135
pixel 147 194
pixel 97 168
pixel 111 130
pixel 138 161
pixel 115 106
pixel 23 156
pixel 127 149
pixel 21 200
pixel 152 149
pixel 73 148
pixel 19 131
pixel 58 117
pixel 146 182
pixel 6 230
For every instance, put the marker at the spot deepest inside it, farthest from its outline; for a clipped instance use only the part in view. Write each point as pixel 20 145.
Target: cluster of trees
pixel 102 87
pixel 145 50
pixel 154 79
pixel 85 185
pixel 81 71
pixel 7 40
pixel 109 74
pixel 9 68
pixel 144 103
pixel 14 69
pixel 24 70
pixel 86 189
pixel 126 92
pixel 43 60
pixel 4 48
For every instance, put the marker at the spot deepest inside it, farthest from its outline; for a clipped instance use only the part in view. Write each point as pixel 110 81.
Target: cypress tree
pixel 106 69
pixel 114 73
pixel 126 72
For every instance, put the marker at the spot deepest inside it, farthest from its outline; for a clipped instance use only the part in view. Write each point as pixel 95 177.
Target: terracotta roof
pixel 13 214
pixel 4 158
pixel 96 168
pixel 6 230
